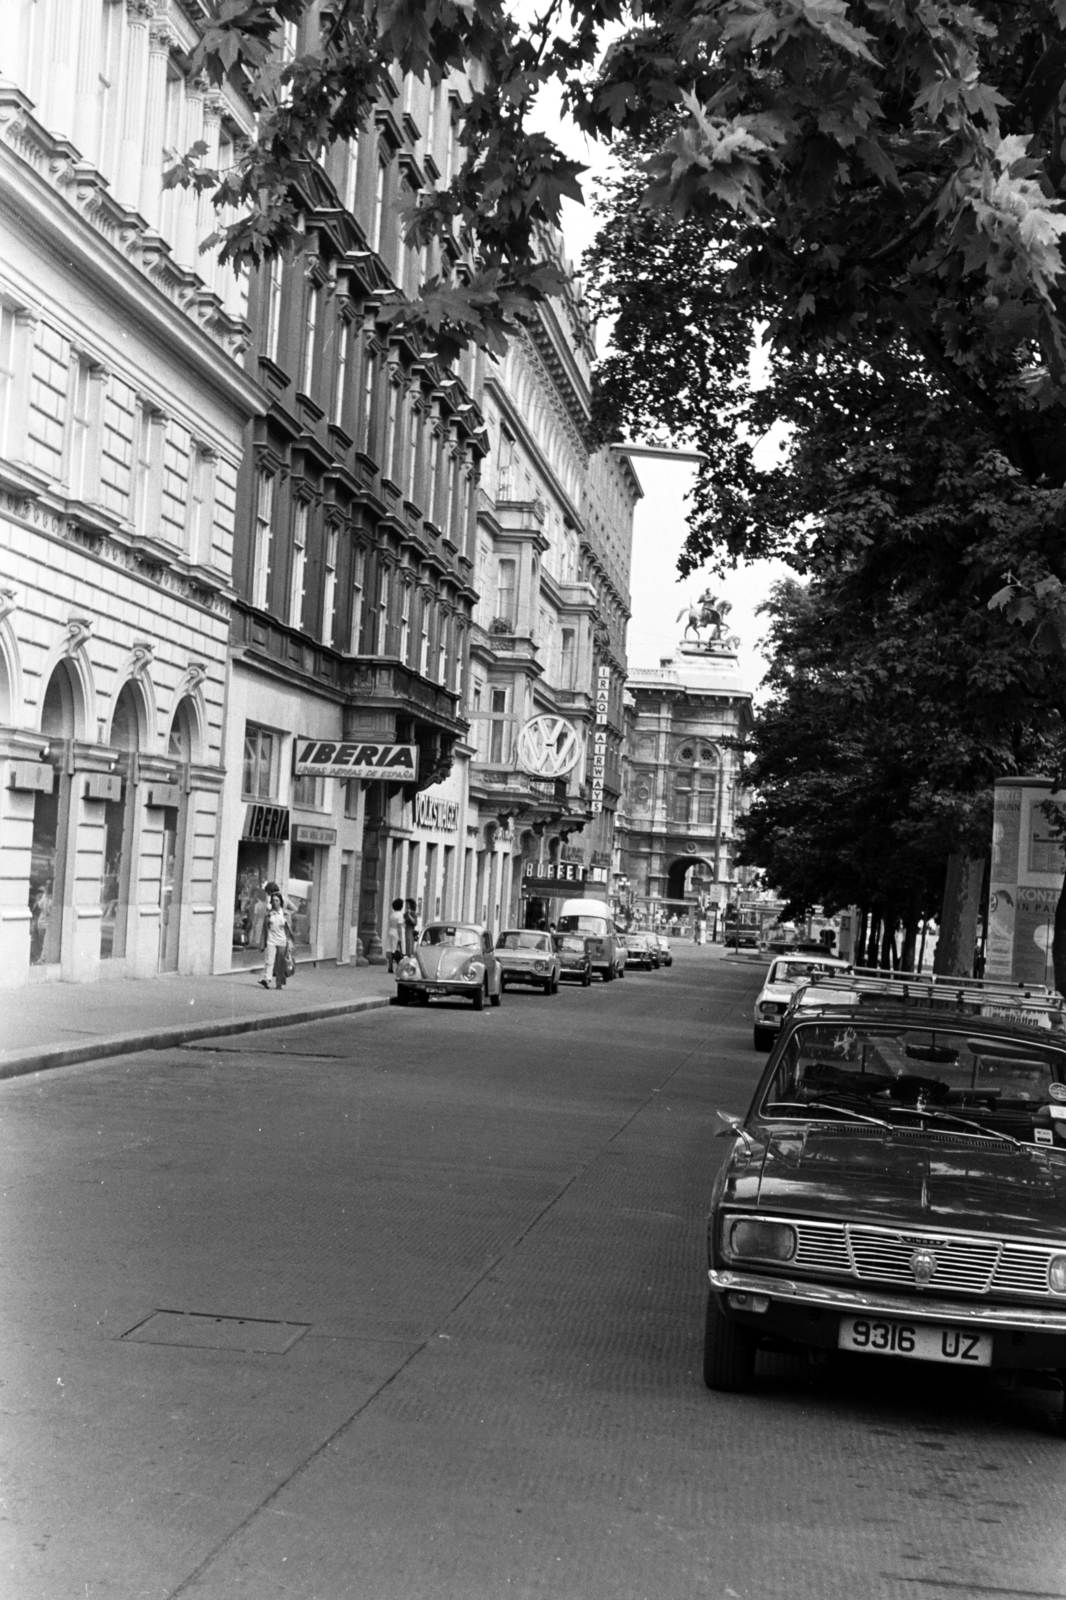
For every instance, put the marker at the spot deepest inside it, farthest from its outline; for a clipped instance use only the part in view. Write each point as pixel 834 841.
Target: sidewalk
pixel 58 1024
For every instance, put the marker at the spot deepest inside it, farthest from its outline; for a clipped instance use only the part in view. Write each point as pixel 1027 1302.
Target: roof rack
pixel 1031 1004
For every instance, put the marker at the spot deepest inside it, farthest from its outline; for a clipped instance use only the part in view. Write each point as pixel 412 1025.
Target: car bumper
pixel 523 975
pixel 432 986
pixel 1024 1337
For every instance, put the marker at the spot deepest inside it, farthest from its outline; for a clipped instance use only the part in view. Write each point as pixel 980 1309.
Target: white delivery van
pixel 595 919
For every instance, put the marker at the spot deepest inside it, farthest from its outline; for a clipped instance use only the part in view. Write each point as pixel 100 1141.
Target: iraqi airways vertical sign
pixel 324 758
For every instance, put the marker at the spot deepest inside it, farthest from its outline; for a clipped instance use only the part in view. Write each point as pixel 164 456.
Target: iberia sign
pixel 324 758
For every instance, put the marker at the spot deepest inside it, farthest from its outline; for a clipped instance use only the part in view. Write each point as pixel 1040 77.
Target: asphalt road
pixel 410 1305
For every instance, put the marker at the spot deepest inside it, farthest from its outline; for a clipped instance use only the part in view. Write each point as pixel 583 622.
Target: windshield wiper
pixel 960 1122
pixel 846 1111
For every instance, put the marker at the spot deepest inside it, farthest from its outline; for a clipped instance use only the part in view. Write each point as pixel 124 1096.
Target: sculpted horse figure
pixel 708 612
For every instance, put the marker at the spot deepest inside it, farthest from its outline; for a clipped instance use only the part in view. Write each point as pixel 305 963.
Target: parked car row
pixel 462 959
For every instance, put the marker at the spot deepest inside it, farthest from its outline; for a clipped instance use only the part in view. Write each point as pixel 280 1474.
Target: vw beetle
pixel 451 958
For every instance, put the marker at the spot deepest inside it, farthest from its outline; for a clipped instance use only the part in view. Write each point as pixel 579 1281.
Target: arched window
pixel 180 743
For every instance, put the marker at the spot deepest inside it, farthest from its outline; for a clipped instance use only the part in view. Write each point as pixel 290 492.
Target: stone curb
pixel 21 1062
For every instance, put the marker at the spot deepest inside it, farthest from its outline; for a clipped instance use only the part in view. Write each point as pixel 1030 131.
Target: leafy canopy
pixel 882 158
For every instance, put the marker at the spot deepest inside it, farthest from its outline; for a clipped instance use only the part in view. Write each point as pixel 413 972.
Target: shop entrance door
pixel 168 907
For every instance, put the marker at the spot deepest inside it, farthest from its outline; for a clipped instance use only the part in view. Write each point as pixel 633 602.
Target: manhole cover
pixel 254 1334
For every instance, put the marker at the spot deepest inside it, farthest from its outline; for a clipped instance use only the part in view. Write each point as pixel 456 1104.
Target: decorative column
pixel 134 89
pixel 187 202
pixel 207 218
pixel 154 122
pixel 86 129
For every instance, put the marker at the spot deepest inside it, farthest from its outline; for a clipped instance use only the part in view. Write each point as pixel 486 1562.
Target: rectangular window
pixel 145 467
pixel 7 374
pixel 329 585
pixel 272 325
pixel 259 778
pixel 263 538
pixel 383 611
pixel 308 793
pixel 299 564
pixel 708 799
pixel 430 493
pixel 405 623
pixel 366 420
pixel 681 798
pixel 351 177
pixel 81 382
pixel 424 638
pixel 307 377
pixel 391 420
pixel 506 580
pixel 378 219
pixel 340 371
pixel 566 659
pixel 499 730
pixel 442 650
pixel 355 641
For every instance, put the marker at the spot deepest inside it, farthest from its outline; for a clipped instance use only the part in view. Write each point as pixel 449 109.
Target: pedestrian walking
pixel 410 925
pixel 395 945
pixel 277 944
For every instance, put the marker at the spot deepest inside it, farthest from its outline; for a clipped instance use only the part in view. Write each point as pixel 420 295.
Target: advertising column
pixel 1028 862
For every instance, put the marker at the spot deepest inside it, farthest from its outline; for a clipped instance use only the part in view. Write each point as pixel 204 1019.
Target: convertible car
pixel 451 958
pixel 898 1187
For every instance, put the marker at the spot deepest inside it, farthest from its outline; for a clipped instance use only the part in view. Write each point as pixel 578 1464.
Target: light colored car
pixel 641 951
pixel 528 956
pixel 574 958
pixel 787 974
pixel 666 955
pixel 454 958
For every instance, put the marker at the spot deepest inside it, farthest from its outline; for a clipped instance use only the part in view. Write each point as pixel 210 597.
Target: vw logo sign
pixel 548 747
pixel 923 1265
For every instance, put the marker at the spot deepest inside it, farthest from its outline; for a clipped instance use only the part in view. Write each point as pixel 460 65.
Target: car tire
pixel 763 1038
pixel 495 999
pixel 555 984
pixel 479 999
pixel 503 987
pixel 586 978
pixel 403 997
pixel 621 971
pixel 728 1351
pixel 608 974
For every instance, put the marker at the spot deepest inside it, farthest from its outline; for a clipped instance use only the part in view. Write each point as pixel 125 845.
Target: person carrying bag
pixel 280 958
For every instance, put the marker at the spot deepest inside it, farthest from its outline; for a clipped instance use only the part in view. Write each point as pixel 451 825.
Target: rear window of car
pixel 465 938
pixel 571 941
pixel 789 971
pixel 597 926
pixel 524 941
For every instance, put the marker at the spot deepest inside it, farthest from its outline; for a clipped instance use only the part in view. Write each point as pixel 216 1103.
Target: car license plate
pixel 435 988
pixel 921 1341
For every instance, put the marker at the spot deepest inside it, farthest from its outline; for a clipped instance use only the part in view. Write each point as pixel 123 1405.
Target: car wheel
pixel 763 1038
pixel 728 1351
pixel 555 984
pixel 586 978
pixel 608 974
pixel 479 1000
pixel 503 987
pixel 621 971
pixel 494 999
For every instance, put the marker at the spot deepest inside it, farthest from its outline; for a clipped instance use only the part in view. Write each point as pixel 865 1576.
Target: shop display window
pixel 251 901
pixel 301 893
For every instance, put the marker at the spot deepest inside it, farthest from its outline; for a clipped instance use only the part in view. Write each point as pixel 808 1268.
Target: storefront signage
pixel 548 747
pixel 31 775
pixel 266 824
pixel 555 871
pixel 303 833
pixel 552 889
pixel 325 758
pixel 433 812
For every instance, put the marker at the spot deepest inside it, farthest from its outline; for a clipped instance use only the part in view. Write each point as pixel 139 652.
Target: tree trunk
pixel 1058 942
pixel 958 921
pixel 888 945
pixel 910 941
pixel 921 951
pixel 870 953
pixel 858 947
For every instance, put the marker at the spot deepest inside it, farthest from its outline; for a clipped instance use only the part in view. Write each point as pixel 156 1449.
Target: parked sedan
pixel 784 978
pixel 528 956
pixel 898 1188
pixel 666 955
pixel 641 951
pixel 451 958
pixel 575 960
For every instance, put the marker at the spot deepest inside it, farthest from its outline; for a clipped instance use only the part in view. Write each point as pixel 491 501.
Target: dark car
pixel 898 1187
pixel 575 960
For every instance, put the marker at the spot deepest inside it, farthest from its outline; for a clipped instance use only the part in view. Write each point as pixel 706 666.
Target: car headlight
pixel 472 972
pixel 767 1008
pixel 540 966
pixel 408 968
pixel 1056 1274
pixel 749 1236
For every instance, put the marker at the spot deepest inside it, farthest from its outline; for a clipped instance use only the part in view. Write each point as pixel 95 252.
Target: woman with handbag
pixel 277 943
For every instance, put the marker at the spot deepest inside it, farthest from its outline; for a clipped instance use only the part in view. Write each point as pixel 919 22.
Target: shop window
pixel 260 771
pixel 301 895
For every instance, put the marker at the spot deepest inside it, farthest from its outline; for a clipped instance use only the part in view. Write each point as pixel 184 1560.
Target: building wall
pixel 122 419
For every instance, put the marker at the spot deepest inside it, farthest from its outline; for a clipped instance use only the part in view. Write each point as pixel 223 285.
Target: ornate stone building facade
pixel 683 790
pixel 123 409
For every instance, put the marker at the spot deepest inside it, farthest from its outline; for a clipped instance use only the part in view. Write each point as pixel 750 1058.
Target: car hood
pixel 782 992
pixel 524 958
pixel 443 961
pixel 885 1177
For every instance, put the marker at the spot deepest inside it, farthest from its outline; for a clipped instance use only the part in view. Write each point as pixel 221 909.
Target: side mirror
pixel 734 1128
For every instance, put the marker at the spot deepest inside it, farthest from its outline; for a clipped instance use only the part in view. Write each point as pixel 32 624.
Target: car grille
pixel 885 1255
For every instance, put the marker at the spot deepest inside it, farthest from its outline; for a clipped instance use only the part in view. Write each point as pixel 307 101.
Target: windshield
pixel 846 1068
pixel 524 941
pixel 465 938
pixel 571 941
pixel 575 924
pixel 792 970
